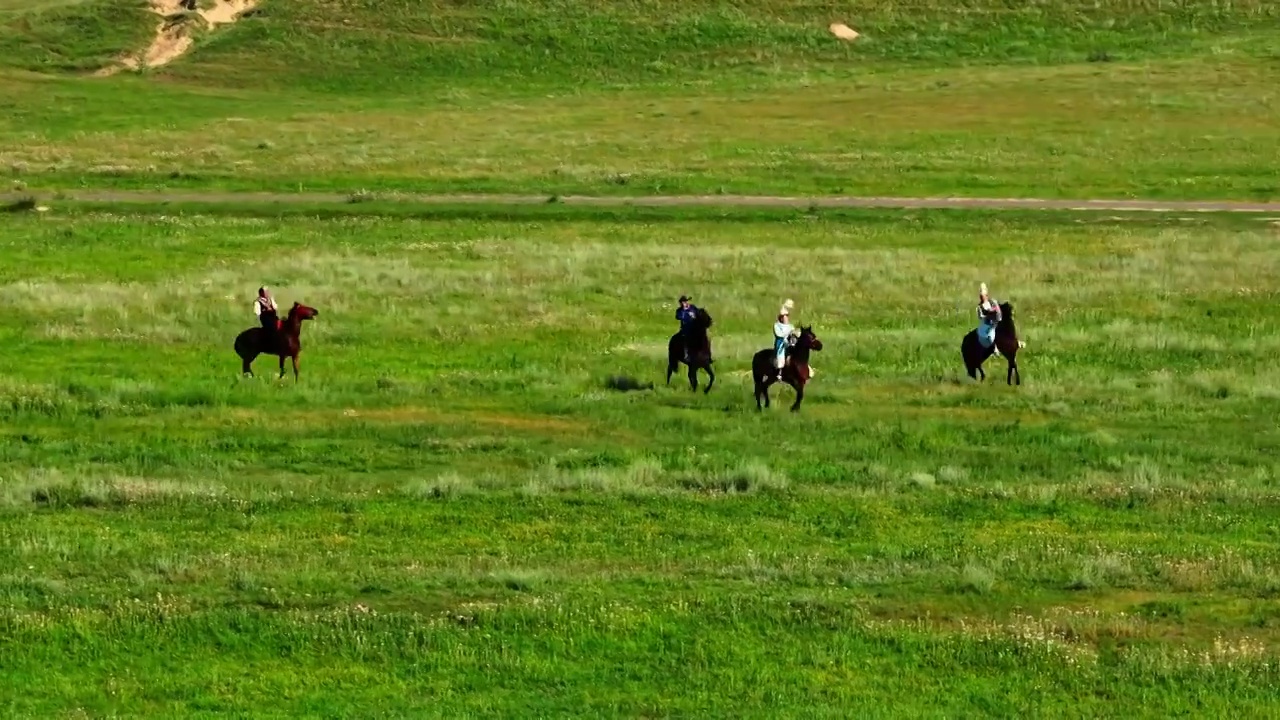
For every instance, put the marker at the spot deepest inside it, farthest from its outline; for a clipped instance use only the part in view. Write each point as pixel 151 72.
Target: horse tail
pixel 762 364
pixel 969 348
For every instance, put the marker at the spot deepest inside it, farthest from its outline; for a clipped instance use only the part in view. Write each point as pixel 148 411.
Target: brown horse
pixel 284 342
pixel 693 348
pixel 796 373
pixel 1006 340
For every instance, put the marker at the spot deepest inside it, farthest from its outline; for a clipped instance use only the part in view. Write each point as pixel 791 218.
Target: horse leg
pixel 693 376
pixel 711 378
pixel 246 364
pixel 1013 369
pixel 672 366
pixel 282 367
pixel 295 368
pixel 762 391
pixel 799 387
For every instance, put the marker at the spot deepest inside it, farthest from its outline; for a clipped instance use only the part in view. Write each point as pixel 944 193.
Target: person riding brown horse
pixel 795 372
pixel 974 352
pixel 692 346
pixel 265 308
pixel 284 342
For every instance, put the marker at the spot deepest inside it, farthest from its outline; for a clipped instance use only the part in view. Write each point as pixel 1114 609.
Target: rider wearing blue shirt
pixel 989 316
pixel 686 314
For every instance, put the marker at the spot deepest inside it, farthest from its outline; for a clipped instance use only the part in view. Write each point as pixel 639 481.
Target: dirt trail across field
pixel 727 201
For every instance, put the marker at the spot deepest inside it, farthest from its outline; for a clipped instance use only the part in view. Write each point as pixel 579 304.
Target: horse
pixel 796 374
pixel 284 342
pixel 974 354
pixel 698 355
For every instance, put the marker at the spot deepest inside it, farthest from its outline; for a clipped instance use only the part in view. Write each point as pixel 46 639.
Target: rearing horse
pixel 284 342
pixel 796 374
pixel 1006 340
pixel 699 351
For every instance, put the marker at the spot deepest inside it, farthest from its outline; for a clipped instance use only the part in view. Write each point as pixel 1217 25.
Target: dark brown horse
pixel 284 342
pixel 1006 340
pixel 693 348
pixel 796 373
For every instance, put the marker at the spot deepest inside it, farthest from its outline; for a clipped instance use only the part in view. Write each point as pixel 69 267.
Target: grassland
pixel 1067 99
pixel 452 514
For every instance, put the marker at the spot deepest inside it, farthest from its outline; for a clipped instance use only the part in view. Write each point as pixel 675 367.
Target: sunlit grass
pixel 481 499
pixel 455 457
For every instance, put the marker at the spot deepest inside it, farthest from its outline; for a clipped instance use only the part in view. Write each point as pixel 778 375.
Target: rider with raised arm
pixel 989 316
pixel 783 337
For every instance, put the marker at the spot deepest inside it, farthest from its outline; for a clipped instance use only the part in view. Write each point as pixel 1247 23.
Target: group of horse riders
pixel 785 334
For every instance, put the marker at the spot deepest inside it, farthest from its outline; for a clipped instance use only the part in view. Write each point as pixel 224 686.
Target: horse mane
pixel 1006 318
pixel 706 316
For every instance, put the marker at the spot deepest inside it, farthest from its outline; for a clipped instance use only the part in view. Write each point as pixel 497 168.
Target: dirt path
pixel 229 198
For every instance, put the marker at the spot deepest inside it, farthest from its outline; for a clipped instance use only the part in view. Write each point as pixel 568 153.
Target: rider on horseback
pixel 265 308
pixel 686 314
pixel 784 336
pixel 989 316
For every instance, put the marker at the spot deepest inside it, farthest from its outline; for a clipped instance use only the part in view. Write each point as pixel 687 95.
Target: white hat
pixel 982 289
pixel 786 307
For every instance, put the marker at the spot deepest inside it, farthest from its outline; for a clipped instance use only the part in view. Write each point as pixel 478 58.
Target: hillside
pixel 353 45
pixel 1065 99
pixel 71 36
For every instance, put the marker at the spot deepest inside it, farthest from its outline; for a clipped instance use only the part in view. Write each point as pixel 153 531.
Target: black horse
pixel 974 354
pixel 796 373
pixel 692 346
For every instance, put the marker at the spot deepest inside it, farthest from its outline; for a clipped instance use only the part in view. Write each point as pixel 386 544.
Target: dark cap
pixel 683 298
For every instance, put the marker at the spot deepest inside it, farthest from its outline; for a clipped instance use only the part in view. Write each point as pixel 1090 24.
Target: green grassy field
pixel 450 513
pixel 1062 99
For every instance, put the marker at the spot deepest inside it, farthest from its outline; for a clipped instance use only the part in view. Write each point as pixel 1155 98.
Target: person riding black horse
pixel 995 335
pixel 686 313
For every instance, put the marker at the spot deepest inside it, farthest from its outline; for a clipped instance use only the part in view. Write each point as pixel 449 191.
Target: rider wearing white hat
pixel 783 332
pixel 989 316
